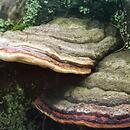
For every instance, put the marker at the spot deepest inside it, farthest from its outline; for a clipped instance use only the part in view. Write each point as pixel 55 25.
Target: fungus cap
pixel 67 49
pixel 101 100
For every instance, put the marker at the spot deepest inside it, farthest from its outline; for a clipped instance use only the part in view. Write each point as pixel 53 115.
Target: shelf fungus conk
pixel 66 46
pixel 101 100
pixel 71 45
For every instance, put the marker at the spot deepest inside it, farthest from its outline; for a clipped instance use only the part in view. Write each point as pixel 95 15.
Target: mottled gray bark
pixel 12 9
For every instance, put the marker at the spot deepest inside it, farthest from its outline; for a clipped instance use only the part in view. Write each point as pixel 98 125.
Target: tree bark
pixel 12 9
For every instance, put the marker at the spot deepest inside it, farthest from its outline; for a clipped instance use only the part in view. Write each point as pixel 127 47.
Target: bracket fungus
pixel 101 100
pixel 72 46
pixel 64 46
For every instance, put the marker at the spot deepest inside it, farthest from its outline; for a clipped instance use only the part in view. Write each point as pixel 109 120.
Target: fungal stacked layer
pixel 65 46
pixel 101 100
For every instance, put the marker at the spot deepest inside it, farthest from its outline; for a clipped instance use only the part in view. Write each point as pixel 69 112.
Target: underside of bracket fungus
pixel 63 45
pixel 101 100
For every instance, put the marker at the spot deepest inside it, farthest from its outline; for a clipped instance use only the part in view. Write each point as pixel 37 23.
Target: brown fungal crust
pixel 94 116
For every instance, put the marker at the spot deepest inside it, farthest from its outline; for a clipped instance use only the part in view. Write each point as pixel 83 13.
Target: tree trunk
pixel 12 9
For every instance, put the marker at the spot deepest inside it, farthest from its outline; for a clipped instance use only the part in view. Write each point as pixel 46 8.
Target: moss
pixel 13 113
